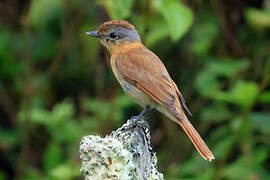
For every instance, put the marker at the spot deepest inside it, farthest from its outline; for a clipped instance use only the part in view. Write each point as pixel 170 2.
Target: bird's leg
pixel 141 115
pixel 149 113
pixel 143 123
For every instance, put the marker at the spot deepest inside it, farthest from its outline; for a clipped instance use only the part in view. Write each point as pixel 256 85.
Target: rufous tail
pixel 195 138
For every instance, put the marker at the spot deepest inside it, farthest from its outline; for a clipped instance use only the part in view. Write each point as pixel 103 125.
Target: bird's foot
pixel 140 121
pixel 137 118
pixel 137 121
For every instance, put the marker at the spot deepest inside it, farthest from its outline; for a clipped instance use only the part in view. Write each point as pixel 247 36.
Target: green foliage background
pixel 56 85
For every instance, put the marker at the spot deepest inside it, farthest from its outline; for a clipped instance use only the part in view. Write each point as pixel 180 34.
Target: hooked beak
pixel 93 34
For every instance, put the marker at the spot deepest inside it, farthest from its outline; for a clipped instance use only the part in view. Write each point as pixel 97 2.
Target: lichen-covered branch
pixel 125 154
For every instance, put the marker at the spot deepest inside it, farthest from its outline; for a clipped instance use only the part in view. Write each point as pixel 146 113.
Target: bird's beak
pixel 93 34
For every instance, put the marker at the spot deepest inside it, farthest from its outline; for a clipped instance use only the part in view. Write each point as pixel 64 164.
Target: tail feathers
pixel 195 138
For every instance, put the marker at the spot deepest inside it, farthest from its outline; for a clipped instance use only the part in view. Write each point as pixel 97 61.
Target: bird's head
pixel 113 34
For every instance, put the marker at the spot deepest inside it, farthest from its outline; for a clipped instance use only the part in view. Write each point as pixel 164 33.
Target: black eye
pixel 113 35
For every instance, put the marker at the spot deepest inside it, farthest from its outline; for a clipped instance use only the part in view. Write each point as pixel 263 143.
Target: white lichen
pixel 123 155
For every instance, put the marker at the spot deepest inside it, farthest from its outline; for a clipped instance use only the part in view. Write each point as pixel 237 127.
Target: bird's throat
pixel 123 47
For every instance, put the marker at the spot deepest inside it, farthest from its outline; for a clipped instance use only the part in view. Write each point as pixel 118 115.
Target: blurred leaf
pixel 2 176
pixel 215 113
pixel 208 83
pixel 100 108
pixel 89 46
pixel 242 128
pixel 32 174
pixel 5 37
pixel 237 123
pixel 228 67
pixel 260 155
pixel 203 37
pixel 220 133
pixel 43 11
pixel 261 121
pixel 246 167
pixel 178 17
pixel 123 100
pixel 60 122
pixel 52 157
pixel 157 32
pixel 193 165
pixel 117 9
pixel 141 21
pixel 69 131
pixel 243 93
pixel 90 124
pixel 65 171
pixel 63 112
pixel 8 138
pixel 239 169
pixel 40 116
pixel 265 97
pixel 222 148
pixel 9 67
pixel 205 175
pixel 44 46
pixel 108 112
pixel 257 18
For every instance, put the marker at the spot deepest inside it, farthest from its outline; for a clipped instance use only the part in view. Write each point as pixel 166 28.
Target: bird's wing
pixel 145 70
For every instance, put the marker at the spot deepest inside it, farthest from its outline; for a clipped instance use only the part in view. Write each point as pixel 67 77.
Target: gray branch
pixel 125 154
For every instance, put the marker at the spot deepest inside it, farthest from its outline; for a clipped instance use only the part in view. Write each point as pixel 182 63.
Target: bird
pixel 144 77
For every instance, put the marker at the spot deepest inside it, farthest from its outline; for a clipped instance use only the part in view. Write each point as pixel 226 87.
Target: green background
pixel 56 85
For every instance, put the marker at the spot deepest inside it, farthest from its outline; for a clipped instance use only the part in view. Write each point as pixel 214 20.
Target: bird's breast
pixel 135 93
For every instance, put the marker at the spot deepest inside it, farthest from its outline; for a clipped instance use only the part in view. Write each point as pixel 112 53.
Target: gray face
pixel 118 36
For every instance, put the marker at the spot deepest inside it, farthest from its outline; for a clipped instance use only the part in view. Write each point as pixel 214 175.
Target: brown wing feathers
pixel 150 75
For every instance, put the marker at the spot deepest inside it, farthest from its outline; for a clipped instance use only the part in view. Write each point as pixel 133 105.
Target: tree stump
pixel 125 154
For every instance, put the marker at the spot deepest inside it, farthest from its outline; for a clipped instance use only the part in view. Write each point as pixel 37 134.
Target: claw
pixel 140 121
